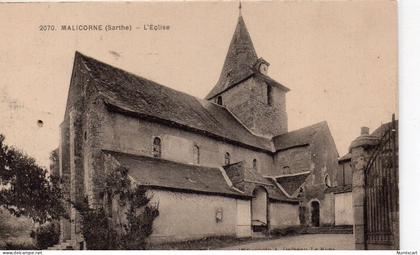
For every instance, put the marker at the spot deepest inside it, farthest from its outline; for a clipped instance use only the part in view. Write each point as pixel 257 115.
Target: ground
pixel 301 242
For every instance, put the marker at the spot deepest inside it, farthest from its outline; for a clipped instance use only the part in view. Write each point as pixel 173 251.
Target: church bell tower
pixel 247 91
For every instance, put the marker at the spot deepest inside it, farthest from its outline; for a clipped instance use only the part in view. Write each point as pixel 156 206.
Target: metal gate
pixel 381 205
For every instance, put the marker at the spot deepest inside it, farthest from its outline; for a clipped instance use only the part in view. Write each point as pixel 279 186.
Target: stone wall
pixel 131 135
pixel 248 101
pixel 291 161
pixel 95 119
pixel 64 159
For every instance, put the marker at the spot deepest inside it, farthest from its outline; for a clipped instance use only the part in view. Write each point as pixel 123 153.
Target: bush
pixel 46 235
pixel 96 227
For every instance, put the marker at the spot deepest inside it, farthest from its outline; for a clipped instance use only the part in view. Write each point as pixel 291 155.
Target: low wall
pixel 327 217
pixel 243 218
pixel 343 209
pixel 283 215
pixel 187 216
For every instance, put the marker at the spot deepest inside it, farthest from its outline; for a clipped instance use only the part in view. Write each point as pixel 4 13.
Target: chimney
pixel 364 131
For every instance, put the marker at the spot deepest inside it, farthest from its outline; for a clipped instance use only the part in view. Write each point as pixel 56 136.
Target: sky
pixel 339 58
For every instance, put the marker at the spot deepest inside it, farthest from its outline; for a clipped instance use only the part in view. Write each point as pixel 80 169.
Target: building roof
pixel 339 189
pixel 240 62
pixel 134 95
pixel 164 174
pixel 380 131
pixel 291 182
pixel 346 157
pixel 298 138
pixel 247 180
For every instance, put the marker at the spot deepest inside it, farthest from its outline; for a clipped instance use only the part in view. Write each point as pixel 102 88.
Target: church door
pixel 315 213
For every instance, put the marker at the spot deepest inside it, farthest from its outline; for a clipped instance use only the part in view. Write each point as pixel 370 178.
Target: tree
pixel 26 188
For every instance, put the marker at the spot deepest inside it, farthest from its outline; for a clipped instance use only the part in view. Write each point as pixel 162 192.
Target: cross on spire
pixel 240 8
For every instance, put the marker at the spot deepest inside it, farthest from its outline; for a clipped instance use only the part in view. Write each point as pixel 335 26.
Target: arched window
pixel 157 147
pixel 286 170
pixel 254 164
pixel 219 100
pixel 269 95
pixel 327 181
pixel 196 152
pixel 227 158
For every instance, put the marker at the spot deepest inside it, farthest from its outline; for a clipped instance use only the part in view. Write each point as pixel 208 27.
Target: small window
pixel 219 100
pixel 327 181
pixel 196 152
pixel 219 215
pixel 269 95
pixel 286 170
pixel 227 158
pixel 254 164
pixel 157 148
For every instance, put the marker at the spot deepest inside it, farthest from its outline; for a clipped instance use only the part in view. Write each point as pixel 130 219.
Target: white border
pixel 409 81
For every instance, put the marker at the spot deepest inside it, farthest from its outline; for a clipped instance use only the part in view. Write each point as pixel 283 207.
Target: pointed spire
pixel 240 8
pixel 240 59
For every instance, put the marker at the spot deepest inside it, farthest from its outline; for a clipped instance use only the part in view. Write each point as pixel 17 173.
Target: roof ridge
pixel 318 124
pixel 288 175
pixel 89 58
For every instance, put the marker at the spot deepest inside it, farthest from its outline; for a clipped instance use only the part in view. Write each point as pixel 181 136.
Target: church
pixel 225 165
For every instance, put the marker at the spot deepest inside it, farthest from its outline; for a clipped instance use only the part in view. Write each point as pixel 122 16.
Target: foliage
pixel 46 235
pixel 25 187
pixel 97 227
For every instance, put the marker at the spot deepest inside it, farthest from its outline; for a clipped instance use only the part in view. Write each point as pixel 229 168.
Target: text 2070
pixel 47 28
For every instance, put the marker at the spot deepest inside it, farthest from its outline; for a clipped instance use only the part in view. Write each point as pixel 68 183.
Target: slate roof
pixel 240 62
pixel 160 173
pixel 296 138
pixel 291 182
pixel 247 180
pixel 133 95
pixel 345 157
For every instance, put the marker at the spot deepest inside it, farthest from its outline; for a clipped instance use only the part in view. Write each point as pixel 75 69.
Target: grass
pixel 217 242
pixel 207 243
pixel 17 246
